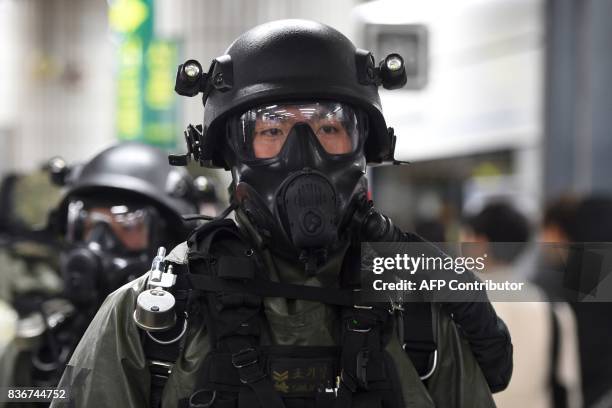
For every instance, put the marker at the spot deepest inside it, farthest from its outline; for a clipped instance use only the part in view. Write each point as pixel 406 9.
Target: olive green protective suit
pixel 109 367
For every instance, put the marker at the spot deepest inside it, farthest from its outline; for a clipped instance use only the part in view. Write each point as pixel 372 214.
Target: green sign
pixel 146 104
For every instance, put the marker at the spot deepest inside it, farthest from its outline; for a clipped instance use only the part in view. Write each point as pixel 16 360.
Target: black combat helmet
pixel 290 60
pixel 138 171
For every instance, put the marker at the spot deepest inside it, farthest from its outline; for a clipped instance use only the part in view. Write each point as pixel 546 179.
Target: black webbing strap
pixel 162 357
pixel 246 360
pixel 340 297
pixel 361 358
pixel 417 335
pixel 235 267
pixel 160 372
pixel 558 389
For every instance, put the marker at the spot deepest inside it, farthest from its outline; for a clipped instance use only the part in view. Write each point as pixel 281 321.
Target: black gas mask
pixel 109 245
pixel 298 169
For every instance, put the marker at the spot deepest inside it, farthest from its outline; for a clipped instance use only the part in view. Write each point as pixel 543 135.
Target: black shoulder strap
pixel 414 320
pixel 367 375
pixel 233 317
pixel 163 349
pixel 417 336
pixel 205 232
pixel 559 393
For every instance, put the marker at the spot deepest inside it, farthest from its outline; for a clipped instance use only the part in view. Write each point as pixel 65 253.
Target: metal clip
pixel 158 278
pixel 433 366
pixel 395 306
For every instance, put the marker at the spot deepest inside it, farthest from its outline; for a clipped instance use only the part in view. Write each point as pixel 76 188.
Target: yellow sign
pixel 125 16
pixel 159 92
pixel 129 101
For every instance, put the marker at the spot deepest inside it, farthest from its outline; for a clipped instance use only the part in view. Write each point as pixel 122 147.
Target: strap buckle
pixel 160 370
pixel 246 362
pixel 351 326
pixel 395 306
pixel 245 357
pixel 357 306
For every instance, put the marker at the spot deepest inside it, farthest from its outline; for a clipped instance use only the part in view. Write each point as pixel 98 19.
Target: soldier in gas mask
pixel 262 313
pixel 117 209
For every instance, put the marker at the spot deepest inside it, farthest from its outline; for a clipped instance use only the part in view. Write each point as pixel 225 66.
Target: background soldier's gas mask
pixel 109 245
pixel 297 169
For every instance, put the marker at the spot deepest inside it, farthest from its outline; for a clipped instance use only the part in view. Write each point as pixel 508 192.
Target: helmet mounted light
pixel 393 72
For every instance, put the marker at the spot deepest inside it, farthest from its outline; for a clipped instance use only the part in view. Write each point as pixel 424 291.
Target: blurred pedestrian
pixel 544 335
pixel 589 221
pixel 554 237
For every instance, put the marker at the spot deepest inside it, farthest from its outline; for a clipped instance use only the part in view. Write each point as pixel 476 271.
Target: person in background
pixel 115 212
pixel 588 220
pixel 29 266
pixel 557 222
pixel 544 334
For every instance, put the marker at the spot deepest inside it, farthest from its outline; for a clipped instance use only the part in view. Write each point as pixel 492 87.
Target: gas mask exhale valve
pixel 307 203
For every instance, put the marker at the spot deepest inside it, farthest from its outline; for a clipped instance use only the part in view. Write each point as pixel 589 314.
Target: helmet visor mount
pixel 264 130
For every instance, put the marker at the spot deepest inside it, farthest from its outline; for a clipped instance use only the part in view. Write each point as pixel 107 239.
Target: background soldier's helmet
pixel 118 209
pixel 134 171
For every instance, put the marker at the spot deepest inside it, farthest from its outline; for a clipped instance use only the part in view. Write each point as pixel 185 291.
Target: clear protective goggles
pixel 264 130
pixel 128 225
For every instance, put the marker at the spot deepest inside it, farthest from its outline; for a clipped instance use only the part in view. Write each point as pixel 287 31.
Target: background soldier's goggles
pixel 130 226
pixel 265 129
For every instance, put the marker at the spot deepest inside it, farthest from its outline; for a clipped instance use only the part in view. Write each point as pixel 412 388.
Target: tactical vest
pixel 381 356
